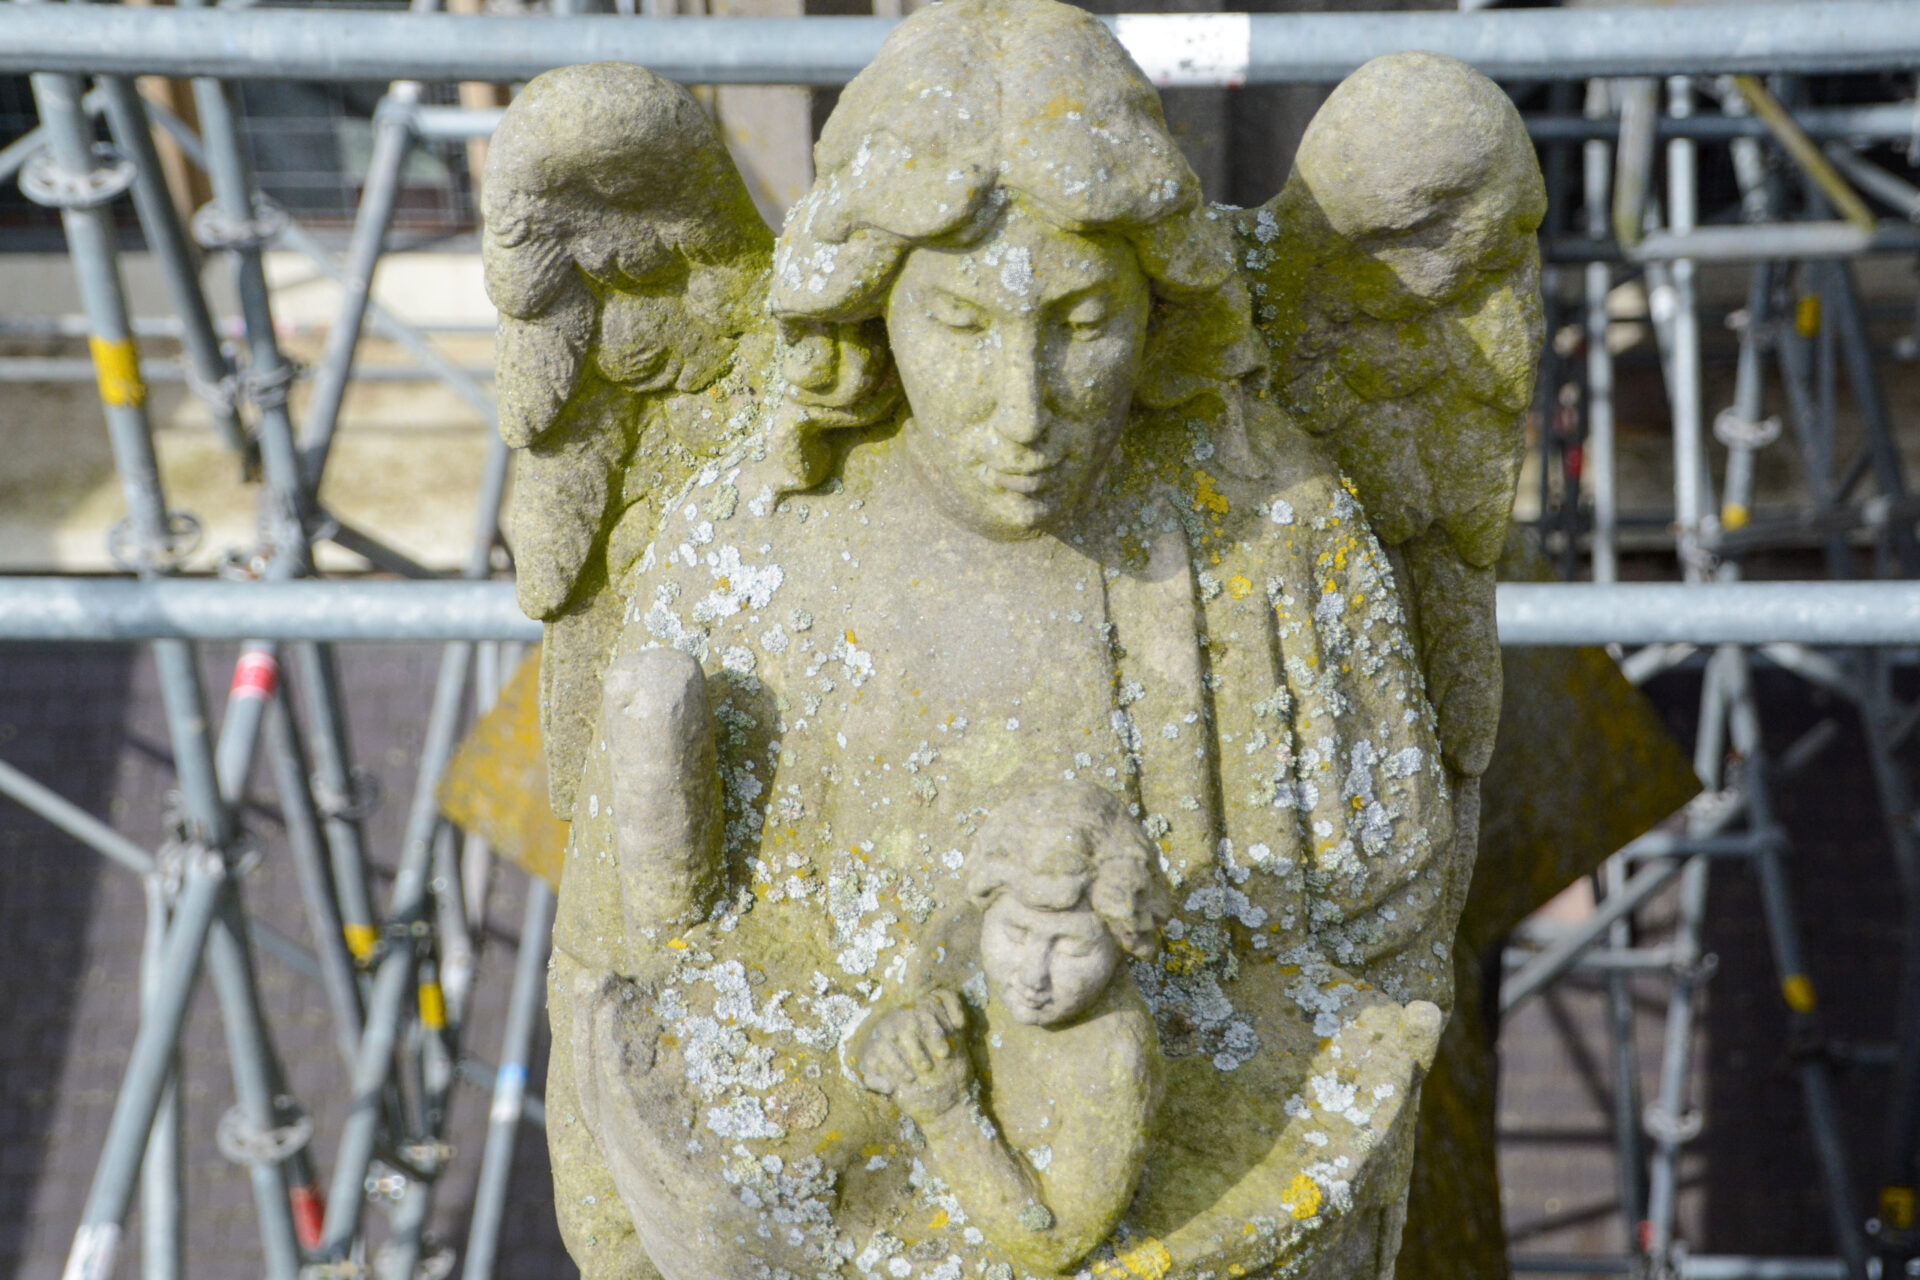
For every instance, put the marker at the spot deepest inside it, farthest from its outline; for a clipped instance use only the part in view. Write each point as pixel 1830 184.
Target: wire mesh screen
pixel 309 144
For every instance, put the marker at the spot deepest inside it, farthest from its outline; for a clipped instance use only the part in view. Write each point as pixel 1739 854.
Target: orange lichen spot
pixel 1239 586
pixel 678 944
pixel 1303 1197
pixel 852 639
pixel 939 1221
pixel 725 583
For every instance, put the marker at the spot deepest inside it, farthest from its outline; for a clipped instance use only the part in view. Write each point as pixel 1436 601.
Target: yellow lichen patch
pixel 1239 586
pixel 1182 957
pixel 1149 1260
pixel 939 1221
pixel 1303 1197
pixel 1206 497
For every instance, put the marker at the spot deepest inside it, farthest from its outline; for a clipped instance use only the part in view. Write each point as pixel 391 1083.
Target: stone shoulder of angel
pixel 629 267
pixel 1396 282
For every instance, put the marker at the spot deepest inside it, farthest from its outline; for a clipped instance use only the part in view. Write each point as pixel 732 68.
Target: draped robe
pixel 1224 645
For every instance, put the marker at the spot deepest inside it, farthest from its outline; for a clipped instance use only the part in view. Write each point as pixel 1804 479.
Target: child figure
pixel 1046 1153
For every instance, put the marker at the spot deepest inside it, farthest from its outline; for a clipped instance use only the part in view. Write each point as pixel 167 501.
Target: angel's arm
pixel 1048 1218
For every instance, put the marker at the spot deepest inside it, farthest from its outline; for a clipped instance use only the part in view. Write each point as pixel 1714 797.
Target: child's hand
pixel 914 1055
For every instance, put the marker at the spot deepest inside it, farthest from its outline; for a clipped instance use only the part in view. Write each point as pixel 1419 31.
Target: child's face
pixel 1046 966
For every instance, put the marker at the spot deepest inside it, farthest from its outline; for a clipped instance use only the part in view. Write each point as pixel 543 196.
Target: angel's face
pixel 1018 358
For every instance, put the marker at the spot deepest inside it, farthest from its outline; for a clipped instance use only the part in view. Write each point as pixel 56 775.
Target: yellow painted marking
pixel 1897 1207
pixel 116 366
pixel 433 1006
pixel 1806 316
pixel 1303 1194
pixel 1798 989
pixel 360 939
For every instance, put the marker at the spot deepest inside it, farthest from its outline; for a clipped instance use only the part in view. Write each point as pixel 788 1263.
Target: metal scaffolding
pixel 396 977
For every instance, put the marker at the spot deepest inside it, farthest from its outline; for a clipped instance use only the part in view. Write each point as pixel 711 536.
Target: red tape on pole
pixel 256 675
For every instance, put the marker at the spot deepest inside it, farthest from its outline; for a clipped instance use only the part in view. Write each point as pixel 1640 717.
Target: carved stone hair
pixel 1070 844
pixel 970 106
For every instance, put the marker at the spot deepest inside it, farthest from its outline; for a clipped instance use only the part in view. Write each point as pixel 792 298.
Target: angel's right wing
pixel 629 266
pixel 1396 278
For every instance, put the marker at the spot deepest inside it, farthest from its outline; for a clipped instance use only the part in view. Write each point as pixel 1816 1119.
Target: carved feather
pixel 1396 281
pixel 628 263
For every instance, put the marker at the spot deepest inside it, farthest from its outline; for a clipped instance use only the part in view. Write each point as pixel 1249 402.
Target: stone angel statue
pixel 1009 463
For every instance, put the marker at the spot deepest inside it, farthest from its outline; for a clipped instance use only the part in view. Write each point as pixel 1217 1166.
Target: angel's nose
pixel 1035 974
pixel 1017 415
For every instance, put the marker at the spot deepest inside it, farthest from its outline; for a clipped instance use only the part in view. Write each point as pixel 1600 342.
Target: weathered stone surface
pixel 1583 764
pixel 1000 496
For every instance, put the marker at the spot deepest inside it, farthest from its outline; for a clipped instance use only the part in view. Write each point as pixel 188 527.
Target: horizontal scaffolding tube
pixel 1691 1267
pixel 1186 49
pixel 1634 613
pixel 79 609
pixel 1877 122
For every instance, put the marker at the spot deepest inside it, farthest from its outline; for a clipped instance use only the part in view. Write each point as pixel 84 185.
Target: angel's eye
pixel 955 314
pixel 1088 317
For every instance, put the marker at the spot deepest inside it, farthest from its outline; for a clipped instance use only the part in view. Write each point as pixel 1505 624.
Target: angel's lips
pixel 1029 481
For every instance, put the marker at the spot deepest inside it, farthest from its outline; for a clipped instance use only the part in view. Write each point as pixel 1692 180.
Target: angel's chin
pixel 1008 515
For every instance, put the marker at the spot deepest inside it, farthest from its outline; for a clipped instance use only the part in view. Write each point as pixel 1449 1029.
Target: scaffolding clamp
pixel 136 553
pixel 268 389
pixel 1737 432
pixel 363 795
pixel 244 1142
pixel 213 228
pixel 221 395
pixel 1663 1126
pixel 344 1269
pixel 44 182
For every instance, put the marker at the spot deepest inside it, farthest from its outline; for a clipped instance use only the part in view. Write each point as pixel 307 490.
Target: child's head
pixel 1067 882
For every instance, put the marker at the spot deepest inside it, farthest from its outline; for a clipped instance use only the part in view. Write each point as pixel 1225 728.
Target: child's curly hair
pixel 1070 844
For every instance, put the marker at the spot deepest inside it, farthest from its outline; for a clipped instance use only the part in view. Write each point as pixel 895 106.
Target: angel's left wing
pixel 629 267
pixel 1396 278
